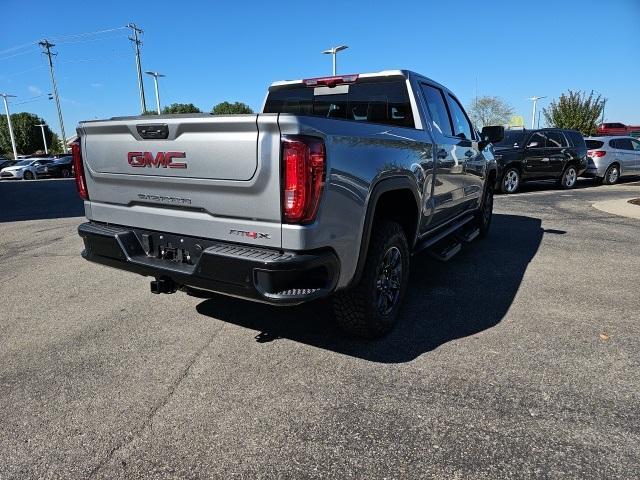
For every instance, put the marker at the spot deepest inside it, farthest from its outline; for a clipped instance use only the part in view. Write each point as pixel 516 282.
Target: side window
pixel 537 140
pixel 437 109
pixel 461 125
pixel 636 145
pixel 613 143
pixel 624 144
pixel 555 139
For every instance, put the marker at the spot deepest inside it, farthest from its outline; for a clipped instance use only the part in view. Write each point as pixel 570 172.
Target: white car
pixel 24 169
pixel 612 157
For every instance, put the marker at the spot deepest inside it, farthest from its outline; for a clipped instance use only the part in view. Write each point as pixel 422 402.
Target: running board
pixel 447 253
pixel 431 241
pixel 468 236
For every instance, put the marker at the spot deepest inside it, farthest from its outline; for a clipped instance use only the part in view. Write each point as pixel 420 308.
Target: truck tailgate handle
pixel 153 131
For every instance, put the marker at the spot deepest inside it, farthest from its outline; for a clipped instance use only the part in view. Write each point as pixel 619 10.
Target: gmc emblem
pixel 161 159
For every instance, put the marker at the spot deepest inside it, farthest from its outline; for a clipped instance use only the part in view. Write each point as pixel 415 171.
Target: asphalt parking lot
pixel 518 358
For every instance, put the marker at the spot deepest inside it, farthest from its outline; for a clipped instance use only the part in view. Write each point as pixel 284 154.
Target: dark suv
pixel 545 154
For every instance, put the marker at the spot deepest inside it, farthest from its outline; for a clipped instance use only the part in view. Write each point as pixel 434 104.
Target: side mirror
pixel 493 134
pixel 533 145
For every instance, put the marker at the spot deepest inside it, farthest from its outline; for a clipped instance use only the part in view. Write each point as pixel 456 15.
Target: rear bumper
pixel 253 273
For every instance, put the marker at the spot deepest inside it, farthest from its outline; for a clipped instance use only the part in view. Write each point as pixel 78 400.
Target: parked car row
pixel 563 155
pixel 35 167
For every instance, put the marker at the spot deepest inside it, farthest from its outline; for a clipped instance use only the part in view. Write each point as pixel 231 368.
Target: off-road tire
pixel 485 213
pixel 356 309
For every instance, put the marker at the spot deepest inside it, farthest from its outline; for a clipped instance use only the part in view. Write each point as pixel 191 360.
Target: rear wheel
pixel 612 175
pixel 485 214
pixel 27 175
pixel 569 177
pixel 370 309
pixel 510 181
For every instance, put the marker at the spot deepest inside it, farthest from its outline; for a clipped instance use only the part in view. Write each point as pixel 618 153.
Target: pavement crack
pixel 159 405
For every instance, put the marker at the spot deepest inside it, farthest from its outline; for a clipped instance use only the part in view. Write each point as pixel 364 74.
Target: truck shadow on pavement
pixel 446 301
pixel 39 199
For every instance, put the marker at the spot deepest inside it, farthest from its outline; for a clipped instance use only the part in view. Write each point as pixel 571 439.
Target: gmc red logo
pixel 160 159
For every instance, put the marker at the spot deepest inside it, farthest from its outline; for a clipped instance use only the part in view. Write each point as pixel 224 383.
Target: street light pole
pixel 6 109
pixel 155 76
pixel 44 138
pixel 333 52
pixel 533 114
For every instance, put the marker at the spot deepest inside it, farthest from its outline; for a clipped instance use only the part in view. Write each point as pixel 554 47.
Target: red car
pixel 605 129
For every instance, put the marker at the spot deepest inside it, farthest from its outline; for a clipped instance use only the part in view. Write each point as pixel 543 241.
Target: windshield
pixel 512 138
pixel 23 163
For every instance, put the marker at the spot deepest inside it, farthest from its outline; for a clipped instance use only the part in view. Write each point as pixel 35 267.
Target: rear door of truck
pixel 205 176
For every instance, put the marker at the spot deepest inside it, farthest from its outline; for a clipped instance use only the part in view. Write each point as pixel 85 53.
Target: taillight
pixel 596 153
pixel 78 168
pixel 303 172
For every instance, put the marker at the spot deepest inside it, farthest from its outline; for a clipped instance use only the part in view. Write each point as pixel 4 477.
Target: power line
pixel 85 34
pixel 61 37
pixel 18 47
pixel 70 42
pixel 17 55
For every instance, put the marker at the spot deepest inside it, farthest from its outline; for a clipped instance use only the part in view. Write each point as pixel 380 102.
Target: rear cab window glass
pixel 434 99
pixel 370 100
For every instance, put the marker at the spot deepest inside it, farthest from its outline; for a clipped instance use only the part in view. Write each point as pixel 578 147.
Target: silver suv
pixel 612 157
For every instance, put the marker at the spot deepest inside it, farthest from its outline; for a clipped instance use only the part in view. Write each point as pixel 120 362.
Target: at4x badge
pixel 244 233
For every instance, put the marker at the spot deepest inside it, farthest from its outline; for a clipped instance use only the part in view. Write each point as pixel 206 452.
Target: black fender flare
pixel 383 186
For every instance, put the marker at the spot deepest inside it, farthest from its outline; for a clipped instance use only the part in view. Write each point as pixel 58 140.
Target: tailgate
pixel 197 175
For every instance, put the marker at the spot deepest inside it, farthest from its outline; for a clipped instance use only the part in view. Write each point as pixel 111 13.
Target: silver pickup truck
pixel 329 191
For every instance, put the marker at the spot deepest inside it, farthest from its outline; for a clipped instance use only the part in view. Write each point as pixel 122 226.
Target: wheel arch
pixel 401 189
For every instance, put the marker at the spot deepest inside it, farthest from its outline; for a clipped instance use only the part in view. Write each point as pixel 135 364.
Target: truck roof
pixel 383 73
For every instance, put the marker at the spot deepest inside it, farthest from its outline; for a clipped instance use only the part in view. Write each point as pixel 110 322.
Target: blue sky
pixel 213 51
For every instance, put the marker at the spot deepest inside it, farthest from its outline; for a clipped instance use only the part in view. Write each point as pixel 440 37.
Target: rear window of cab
pixel 372 101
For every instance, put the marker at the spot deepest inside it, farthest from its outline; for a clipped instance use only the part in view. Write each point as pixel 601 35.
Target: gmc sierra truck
pixel 329 191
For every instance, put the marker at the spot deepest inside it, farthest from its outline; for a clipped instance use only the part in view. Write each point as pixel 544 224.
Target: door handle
pixel 545 159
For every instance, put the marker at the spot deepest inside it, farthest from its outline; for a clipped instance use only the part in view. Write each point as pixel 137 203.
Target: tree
pixel 486 110
pixel 27 134
pixel 226 108
pixel 181 108
pixel 576 110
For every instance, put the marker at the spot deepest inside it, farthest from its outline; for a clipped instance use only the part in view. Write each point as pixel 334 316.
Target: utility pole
pixel 44 138
pixel 137 42
pixel 155 76
pixel 6 109
pixel 46 45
